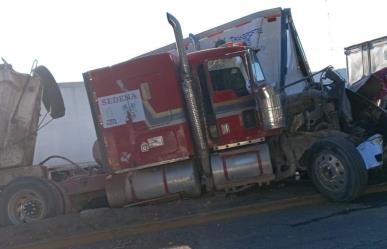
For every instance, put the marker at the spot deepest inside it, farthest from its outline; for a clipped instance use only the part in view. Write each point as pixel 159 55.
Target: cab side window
pixel 229 74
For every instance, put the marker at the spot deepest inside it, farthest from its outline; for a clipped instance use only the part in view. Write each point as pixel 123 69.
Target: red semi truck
pixel 178 123
pixel 240 108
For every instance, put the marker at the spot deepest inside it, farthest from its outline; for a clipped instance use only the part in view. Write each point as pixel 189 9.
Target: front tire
pixel 337 169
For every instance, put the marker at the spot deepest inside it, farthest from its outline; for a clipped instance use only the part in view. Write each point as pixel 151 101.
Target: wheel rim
pixel 26 206
pixel 330 172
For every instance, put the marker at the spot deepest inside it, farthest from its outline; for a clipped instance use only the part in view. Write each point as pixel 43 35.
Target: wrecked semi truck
pixel 367 58
pixel 204 117
pixel 28 192
pixel 229 108
pixel 367 70
pixel 367 76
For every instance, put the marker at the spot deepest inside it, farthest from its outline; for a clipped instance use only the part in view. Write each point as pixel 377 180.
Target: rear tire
pixel 337 169
pixel 27 199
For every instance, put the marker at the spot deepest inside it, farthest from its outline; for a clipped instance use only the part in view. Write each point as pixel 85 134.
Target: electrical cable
pixel 65 159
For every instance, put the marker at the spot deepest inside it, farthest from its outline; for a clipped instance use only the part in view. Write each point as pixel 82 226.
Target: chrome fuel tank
pixel 151 183
pixel 241 167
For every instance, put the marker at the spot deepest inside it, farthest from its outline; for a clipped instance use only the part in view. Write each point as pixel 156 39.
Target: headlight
pixel 376 139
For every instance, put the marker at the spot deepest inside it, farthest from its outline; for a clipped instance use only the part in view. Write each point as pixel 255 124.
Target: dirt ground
pixel 99 219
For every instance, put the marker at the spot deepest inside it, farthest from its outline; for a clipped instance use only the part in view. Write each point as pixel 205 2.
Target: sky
pixel 74 36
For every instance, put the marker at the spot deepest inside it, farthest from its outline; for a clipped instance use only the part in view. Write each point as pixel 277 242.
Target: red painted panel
pixel 132 143
pixel 159 118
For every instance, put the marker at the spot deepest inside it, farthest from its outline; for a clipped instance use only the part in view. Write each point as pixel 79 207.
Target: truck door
pixel 233 106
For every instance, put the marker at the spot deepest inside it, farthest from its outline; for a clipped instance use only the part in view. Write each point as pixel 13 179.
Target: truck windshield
pixel 229 74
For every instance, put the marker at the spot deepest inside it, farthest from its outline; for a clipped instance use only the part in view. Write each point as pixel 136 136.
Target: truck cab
pixel 229 79
pixel 142 120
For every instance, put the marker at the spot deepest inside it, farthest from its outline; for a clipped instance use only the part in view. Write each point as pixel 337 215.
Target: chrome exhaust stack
pixel 192 107
pixel 186 72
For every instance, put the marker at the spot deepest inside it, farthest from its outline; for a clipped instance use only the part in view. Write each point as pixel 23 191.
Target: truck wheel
pixel 28 199
pixel 337 169
pixel 64 203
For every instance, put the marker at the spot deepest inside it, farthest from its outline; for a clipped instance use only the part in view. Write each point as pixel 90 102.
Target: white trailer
pixel 73 135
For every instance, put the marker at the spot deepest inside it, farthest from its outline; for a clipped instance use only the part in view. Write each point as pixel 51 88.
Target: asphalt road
pixel 358 225
pixel 288 215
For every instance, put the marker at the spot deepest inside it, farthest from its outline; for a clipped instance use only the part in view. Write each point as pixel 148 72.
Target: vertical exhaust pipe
pixel 195 119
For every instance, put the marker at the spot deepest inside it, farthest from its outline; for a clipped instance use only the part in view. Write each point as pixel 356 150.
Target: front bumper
pixel 371 151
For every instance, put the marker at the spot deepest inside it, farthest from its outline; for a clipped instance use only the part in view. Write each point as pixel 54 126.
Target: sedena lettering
pixel 119 99
pixel 121 108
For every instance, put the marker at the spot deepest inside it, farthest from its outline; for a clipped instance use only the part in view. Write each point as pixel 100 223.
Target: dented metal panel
pixel 20 96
